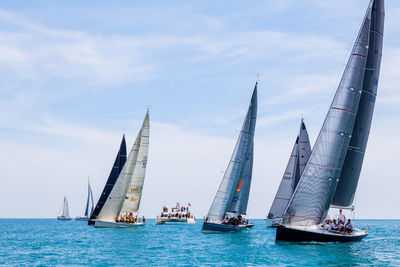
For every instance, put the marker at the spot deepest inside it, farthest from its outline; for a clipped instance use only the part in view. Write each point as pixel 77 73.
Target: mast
pixel 298 158
pixel 115 171
pixel 233 192
pixel 113 205
pixel 310 202
pixel 346 188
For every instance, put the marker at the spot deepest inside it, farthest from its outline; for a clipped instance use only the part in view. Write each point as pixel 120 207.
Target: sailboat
pixel 63 214
pixel 120 210
pixel 230 202
pixel 297 161
pixel 331 175
pixel 112 178
pixel 89 203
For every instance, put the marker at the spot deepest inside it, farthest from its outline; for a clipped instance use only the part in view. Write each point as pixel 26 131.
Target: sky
pixel 76 75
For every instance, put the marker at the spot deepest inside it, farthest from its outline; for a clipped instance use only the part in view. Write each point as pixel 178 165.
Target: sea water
pixel 53 242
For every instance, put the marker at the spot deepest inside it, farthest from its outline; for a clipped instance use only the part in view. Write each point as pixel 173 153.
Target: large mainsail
pixel 134 193
pixel 346 188
pixel 113 205
pixel 115 171
pixel 298 158
pixel 233 192
pixel 310 202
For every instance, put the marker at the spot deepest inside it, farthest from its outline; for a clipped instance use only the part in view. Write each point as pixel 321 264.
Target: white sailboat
pixel 122 206
pixel 63 214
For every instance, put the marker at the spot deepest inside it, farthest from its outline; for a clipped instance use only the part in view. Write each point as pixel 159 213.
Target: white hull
pixel 162 220
pixel 105 224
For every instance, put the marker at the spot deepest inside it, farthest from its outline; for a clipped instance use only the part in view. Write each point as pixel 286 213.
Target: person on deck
pixel 349 227
pixel 341 217
pixel 333 226
pixel 143 219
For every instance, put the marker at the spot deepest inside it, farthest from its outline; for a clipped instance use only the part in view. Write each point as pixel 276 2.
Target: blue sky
pixel 75 76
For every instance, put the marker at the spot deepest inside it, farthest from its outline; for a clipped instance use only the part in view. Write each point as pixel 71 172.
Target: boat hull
pixel 209 227
pixel 63 218
pixel 82 218
pixel 297 235
pixel 163 220
pixel 104 224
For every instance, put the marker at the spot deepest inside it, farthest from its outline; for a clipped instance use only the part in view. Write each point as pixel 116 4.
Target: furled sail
pixel 113 205
pixel 115 171
pixel 310 202
pixel 346 188
pixel 233 192
pixel 134 193
pixel 64 210
pixel 298 158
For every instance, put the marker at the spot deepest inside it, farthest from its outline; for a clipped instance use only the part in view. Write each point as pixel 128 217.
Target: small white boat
pixel 177 214
pixel 106 224
pixel 63 214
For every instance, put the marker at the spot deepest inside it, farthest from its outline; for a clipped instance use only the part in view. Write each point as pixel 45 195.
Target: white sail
pixel 64 210
pixel 134 193
pixel 113 205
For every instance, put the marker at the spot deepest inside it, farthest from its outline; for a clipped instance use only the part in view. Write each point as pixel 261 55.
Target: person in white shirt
pixel 333 226
pixel 349 226
pixel 341 217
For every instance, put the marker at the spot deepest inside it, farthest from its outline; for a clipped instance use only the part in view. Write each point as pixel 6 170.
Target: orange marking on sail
pixel 239 186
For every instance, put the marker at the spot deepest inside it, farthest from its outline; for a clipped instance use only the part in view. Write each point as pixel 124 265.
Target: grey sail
pixel 304 152
pixel 298 158
pixel 310 202
pixel 233 192
pixel 88 201
pixel 346 188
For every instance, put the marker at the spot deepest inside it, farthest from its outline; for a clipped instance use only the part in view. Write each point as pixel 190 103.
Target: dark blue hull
pixel 296 235
pixel 219 227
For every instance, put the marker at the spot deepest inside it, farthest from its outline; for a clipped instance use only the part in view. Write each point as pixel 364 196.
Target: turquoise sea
pixel 52 242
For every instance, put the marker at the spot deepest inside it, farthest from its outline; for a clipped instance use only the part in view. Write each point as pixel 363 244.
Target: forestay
pixel 233 192
pixel 313 195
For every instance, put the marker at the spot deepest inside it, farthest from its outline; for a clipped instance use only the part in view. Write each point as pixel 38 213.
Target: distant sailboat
pixel 298 159
pixel 121 207
pixel 332 172
pixel 230 202
pixel 89 203
pixel 63 214
pixel 112 178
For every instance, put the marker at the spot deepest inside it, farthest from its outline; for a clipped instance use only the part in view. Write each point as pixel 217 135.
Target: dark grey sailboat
pixel 230 202
pixel 332 172
pixel 112 178
pixel 297 161
pixel 89 204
